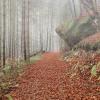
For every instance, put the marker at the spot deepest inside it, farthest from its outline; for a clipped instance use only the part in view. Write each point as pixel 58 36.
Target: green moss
pixel 35 58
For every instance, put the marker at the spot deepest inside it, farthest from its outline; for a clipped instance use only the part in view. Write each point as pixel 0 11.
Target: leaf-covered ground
pixel 47 79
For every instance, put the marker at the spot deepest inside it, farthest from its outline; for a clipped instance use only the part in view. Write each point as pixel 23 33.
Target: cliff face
pixel 77 30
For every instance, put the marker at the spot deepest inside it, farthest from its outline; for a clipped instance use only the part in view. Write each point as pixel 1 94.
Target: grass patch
pixel 33 59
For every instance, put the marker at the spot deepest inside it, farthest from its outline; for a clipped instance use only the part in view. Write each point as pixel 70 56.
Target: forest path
pixel 47 80
pixel 43 80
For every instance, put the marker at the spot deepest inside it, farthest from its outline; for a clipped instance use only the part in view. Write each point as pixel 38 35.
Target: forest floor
pixel 47 80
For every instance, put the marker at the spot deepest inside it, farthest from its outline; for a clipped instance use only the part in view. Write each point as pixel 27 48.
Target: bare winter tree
pixel 91 8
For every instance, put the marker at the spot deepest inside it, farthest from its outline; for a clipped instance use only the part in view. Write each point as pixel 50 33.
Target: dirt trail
pixel 47 80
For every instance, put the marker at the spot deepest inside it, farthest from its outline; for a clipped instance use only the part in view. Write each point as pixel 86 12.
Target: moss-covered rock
pixel 76 30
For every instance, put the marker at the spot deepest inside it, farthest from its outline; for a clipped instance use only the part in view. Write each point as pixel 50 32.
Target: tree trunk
pixel 4 29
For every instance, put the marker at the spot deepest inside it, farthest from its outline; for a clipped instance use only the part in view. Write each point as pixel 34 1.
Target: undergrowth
pixel 9 74
pixel 84 64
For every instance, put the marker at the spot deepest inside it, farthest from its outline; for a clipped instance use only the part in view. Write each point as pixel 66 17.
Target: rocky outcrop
pixel 77 30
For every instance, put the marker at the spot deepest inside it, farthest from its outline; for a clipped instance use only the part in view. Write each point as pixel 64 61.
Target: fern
pixel 93 71
pixel 9 97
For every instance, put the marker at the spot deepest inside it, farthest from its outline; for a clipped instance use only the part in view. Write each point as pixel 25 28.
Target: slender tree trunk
pixel 28 33
pixel 0 30
pixel 74 8
pixel 24 33
pixel 41 35
pixel 17 32
pixel 10 33
pixel 4 29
